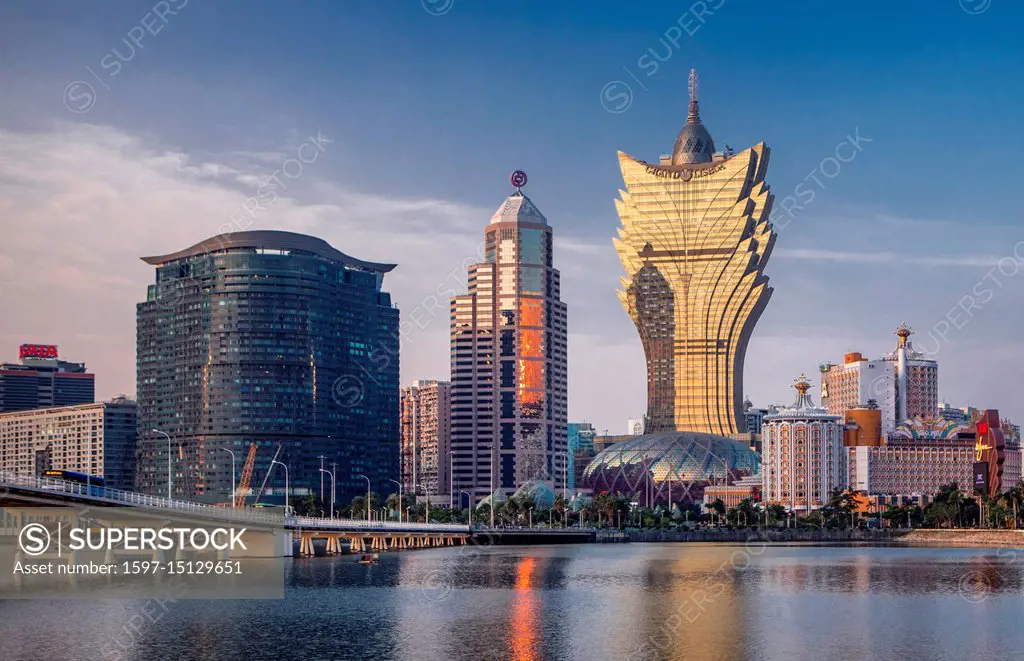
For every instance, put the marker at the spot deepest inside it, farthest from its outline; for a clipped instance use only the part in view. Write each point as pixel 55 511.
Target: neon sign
pixel 38 351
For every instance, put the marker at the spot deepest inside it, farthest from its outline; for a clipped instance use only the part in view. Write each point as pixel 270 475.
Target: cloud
pixel 79 204
pixel 891 258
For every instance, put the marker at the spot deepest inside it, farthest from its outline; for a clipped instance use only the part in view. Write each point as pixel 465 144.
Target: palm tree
pixel 953 496
pixel 1014 498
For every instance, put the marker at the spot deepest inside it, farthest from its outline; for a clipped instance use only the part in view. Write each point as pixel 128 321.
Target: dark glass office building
pixel 272 338
pixel 43 380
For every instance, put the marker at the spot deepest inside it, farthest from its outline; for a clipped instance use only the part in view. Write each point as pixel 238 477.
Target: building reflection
pixel 697 608
pixel 524 612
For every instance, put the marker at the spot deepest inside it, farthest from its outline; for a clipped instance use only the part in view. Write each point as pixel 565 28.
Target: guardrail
pixel 122 497
pixel 314 522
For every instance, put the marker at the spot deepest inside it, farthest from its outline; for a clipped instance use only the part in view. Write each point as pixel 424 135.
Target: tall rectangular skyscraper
pixel 508 358
pixel 272 338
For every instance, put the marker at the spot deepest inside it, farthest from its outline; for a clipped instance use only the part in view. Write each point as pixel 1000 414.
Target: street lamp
pixel 324 470
pixel 367 496
pixel 426 493
pixel 232 475
pixel 275 461
pixel 157 431
pixel 451 479
pixel 401 501
pixel 470 497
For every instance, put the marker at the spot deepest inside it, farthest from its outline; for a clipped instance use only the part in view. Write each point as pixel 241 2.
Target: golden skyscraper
pixel 694 241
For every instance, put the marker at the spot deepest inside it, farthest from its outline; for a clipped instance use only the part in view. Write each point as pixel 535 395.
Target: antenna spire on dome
pixel 694 114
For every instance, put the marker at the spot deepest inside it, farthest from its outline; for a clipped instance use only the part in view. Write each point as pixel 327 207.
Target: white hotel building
pixel 802 461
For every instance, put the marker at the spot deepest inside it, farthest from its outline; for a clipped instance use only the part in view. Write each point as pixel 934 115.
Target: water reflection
pixel 589 603
pixel 524 613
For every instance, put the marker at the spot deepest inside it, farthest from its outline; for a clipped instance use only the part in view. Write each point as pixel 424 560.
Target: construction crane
pixel 263 487
pixel 243 486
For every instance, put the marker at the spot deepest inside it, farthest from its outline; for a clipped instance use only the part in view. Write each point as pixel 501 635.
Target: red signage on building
pixel 38 351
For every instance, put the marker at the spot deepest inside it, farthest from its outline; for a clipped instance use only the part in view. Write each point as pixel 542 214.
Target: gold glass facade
pixel 694 240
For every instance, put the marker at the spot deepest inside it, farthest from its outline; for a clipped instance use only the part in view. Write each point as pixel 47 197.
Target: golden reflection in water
pixel 524 613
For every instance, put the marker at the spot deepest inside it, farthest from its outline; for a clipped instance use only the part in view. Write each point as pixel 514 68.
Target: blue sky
pixel 429 113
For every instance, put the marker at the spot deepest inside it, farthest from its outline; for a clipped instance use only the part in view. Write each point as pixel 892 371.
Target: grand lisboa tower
pixel 694 242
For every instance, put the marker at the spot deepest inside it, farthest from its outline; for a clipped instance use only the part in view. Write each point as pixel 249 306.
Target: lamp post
pixel 451 479
pixel 367 496
pixel 168 436
pixel 470 501
pixel 275 461
pixel 324 470
pixel 232 475
pixel 426 493
pixel 401 501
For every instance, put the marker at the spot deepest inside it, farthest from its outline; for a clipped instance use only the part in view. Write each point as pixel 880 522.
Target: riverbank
pixel 923 537
pixel 770 536
pixel 965 537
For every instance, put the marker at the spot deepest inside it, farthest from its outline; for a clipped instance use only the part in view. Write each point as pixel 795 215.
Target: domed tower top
pixel 694 144
pixel 904 333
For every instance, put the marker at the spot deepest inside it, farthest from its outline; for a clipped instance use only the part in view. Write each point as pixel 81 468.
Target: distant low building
pixel 581 443
pixel 604 441
pixel 921 457
pixel 635 426
pixel 732 495
pixel 94 439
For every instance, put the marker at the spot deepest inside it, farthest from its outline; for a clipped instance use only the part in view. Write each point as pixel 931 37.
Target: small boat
pixel 368 559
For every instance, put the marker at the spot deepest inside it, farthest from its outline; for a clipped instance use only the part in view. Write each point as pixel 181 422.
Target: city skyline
pixel 88 181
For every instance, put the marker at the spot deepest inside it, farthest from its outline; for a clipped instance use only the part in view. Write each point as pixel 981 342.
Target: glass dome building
pixel 676 466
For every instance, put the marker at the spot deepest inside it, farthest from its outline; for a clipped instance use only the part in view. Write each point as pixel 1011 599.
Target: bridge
pixel 22 496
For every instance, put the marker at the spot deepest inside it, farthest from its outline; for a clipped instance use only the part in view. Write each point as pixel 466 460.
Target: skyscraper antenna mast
pixel 694 84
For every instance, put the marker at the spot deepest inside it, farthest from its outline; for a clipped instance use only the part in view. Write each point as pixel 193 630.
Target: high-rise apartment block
pixel 904 383
pixel 426 438
pixel 97 439
pixel 269 338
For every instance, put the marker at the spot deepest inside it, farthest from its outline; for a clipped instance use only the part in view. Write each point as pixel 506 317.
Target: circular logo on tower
pixel 518 178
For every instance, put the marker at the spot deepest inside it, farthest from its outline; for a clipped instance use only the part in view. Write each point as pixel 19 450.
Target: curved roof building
pixel 694 241
pixel 672 466
pixel 272 338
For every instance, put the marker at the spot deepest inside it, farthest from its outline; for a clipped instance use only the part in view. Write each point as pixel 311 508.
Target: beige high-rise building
pixel 694 242
pixel 509 360
pixel 426 437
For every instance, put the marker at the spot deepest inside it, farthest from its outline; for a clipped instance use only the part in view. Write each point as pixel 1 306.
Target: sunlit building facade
pixel 694 242
pixel 917 378
pixel 93 439
pixel 921 456
pixel 508 359
pixel 858 381
pixel 802 453
pixel 426 437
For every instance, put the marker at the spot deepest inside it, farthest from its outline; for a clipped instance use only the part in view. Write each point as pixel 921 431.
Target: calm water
pixel 624 602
